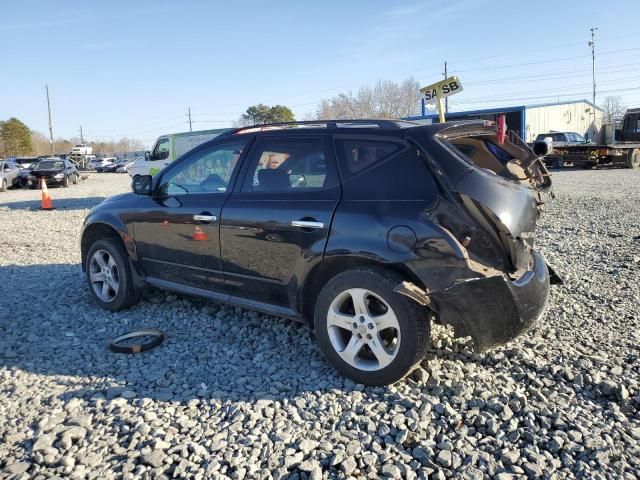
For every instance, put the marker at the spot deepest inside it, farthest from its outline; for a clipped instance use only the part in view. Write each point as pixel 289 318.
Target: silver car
pixel 9 175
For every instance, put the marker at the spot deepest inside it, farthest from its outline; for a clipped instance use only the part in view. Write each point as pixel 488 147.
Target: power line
pixel 573 94
pixel 546 76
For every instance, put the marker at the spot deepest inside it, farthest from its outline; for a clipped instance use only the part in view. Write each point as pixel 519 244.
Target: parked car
pixel 25 170
pixel 54 171
pixel 560 139
pixel 124 168
pixel 98 164
pixel 112 167
pixel 9 175
pixel 368 230
pixel 82 149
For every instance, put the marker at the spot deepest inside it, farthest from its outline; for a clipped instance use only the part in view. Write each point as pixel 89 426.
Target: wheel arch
pixel 103 229
pixel 318 277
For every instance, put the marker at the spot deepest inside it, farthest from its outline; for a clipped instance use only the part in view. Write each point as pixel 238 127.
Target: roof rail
pixel 347 123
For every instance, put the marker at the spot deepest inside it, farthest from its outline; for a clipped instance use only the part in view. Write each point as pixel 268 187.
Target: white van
pixel 169 147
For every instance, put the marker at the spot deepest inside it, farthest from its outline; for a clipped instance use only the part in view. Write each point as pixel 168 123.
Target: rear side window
pixel 383 170
pixel 288 165
pixel 358 155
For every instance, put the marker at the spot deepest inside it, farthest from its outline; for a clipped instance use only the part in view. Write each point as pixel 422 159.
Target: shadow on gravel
pixel 211 351
pixel 58 203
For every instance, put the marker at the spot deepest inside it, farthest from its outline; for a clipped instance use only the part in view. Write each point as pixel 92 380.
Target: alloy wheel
pixel 104 275
pixel 363 329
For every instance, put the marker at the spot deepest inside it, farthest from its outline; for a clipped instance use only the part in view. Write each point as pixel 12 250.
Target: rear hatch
pixel 504 190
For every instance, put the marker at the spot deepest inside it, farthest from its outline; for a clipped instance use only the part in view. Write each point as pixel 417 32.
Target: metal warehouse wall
pixel 570 117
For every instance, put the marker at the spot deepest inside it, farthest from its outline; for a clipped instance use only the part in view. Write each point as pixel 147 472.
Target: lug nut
pixel 369 337
pixel 359 336
pixel 371 326
pixel 361 319
pixel 355 325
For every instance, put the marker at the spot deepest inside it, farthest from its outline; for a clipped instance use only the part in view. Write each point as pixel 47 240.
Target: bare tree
pixel 613 108
pixel 386 99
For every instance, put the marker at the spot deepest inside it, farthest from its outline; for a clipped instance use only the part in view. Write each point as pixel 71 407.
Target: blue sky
pixel 132 68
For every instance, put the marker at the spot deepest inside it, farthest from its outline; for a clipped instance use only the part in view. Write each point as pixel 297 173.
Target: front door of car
pixel 276 223
pixel 176 230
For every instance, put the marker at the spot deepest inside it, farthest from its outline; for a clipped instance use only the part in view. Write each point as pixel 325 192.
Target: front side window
pixel 289 164
pixel 205 171
pixel 161 151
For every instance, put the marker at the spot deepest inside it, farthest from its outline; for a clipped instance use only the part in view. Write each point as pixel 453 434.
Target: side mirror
pixel 141 184
pixel 543 147
pixel 617 134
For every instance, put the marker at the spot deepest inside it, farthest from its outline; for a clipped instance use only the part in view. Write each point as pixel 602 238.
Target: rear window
pixel 498 152
pixel 555 137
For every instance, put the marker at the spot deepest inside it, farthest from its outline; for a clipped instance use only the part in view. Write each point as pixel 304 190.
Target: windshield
pixel 50 165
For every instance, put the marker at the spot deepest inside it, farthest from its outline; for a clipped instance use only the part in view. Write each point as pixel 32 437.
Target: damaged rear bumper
pixel 495 310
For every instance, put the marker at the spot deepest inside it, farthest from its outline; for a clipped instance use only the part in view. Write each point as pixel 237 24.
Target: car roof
pixel 357 126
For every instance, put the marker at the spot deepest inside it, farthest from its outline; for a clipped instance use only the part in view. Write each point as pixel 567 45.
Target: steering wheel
pixel 300 181
pixel 213 182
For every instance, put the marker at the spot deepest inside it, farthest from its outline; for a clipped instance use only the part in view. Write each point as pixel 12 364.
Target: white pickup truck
pixel 169 147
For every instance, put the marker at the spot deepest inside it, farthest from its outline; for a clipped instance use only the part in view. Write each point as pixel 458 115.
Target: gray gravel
pixel 235 394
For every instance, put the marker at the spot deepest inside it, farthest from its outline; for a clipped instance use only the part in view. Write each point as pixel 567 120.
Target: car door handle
pixel 205 218
pixel 307 224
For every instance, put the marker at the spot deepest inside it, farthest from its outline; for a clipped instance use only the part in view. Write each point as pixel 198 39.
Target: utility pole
pixel 81 137
pixel 446 99
pixel 592 44
pixel 50 126
pixel 190 128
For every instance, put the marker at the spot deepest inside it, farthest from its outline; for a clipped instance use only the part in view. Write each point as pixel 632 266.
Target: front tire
pixel 3 185
pixel 368 332
pixel 65 181
pixel 109 275
pixel 75 178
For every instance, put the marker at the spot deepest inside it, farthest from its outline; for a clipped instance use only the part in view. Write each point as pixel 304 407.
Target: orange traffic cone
pixel 199 235
pixel 47 203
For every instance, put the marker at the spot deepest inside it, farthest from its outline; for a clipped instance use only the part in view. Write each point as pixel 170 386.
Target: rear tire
pixel 108 263
pixel 386 333
pixel 633 159
pixel 75 178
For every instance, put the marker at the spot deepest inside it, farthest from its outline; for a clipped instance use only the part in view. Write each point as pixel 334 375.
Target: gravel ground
pixel 237 394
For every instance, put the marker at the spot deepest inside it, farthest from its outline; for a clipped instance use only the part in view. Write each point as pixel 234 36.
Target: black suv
pixel 368 230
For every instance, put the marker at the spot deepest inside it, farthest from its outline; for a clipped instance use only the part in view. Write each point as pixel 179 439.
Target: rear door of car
pixel 275 225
